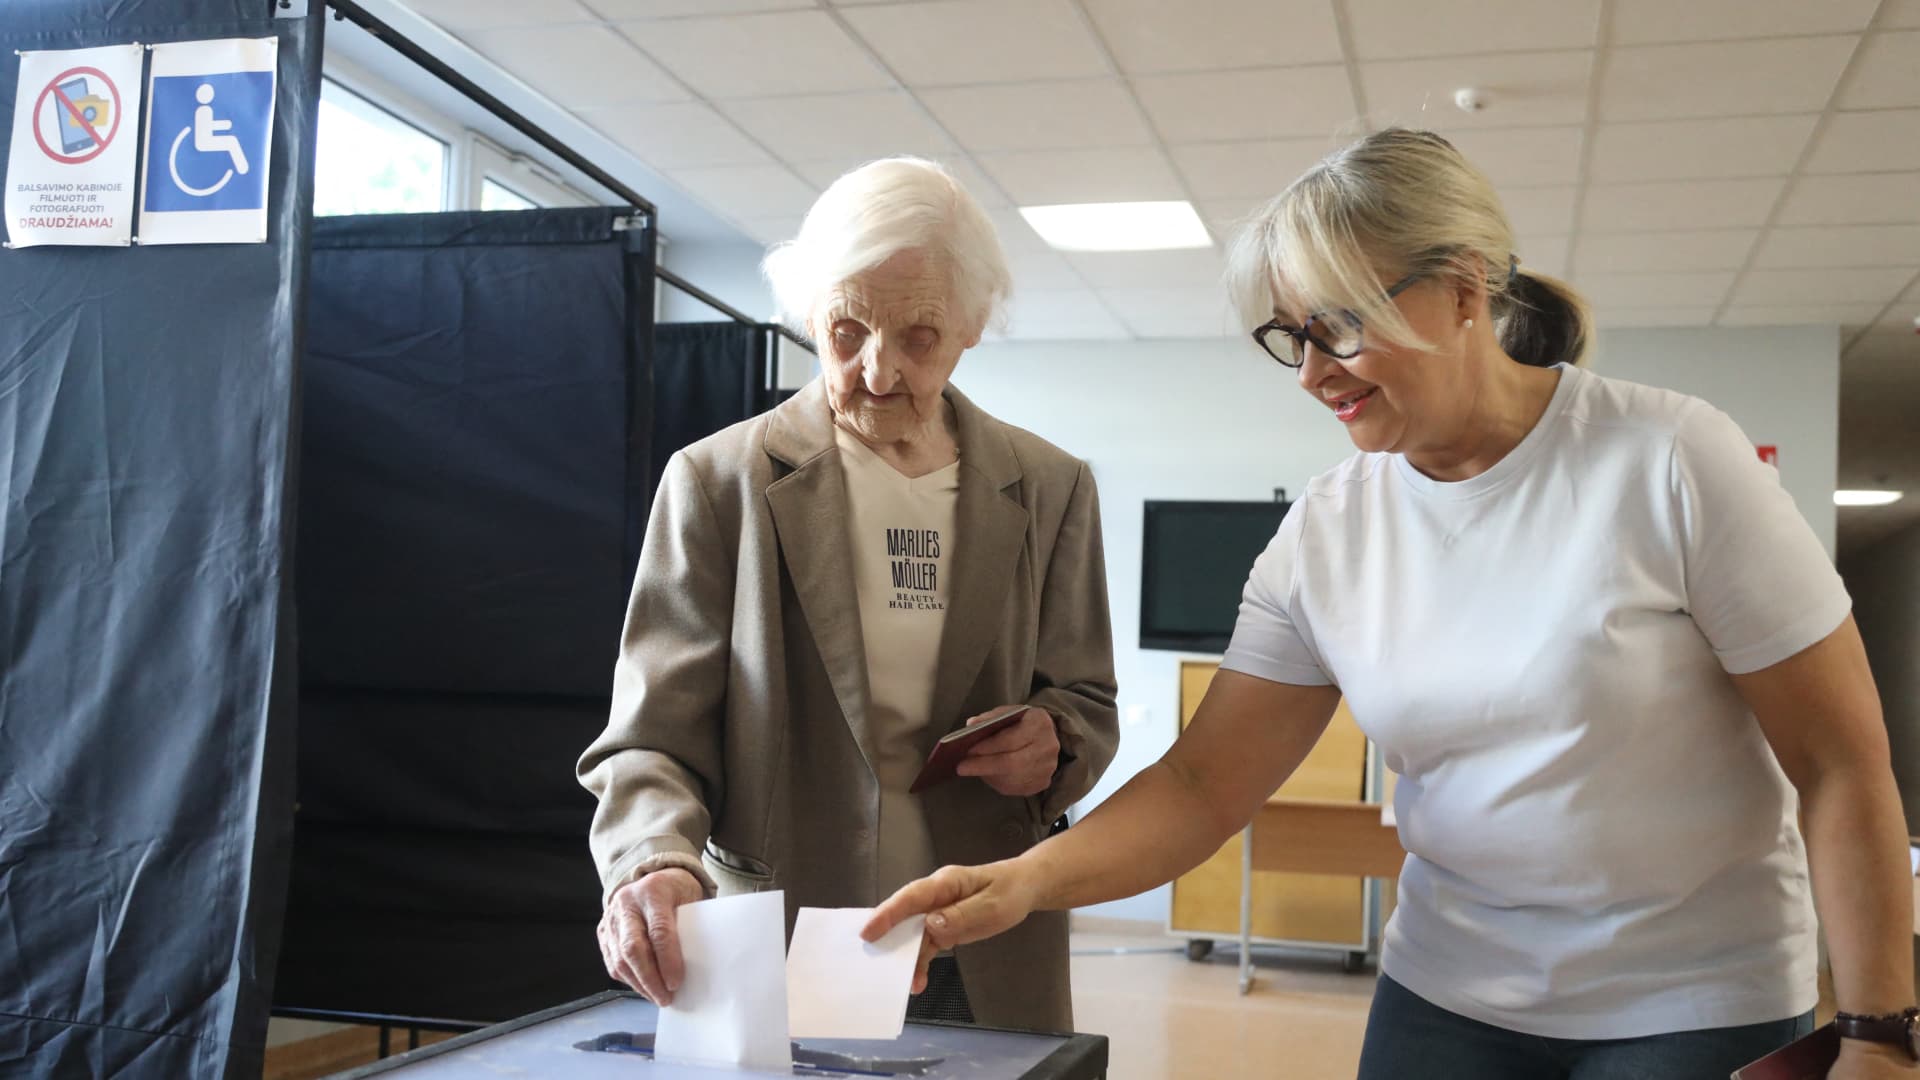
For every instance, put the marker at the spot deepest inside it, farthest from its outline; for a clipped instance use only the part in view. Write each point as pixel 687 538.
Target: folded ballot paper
pixel 745 995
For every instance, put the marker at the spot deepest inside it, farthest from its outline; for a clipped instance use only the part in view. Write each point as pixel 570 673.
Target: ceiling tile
pixel 1391 29
pixel 1539 211
pixel 1876 199
pixel 772 230
pixel 1700 149
pixel 1800 315
pixel 1016 236
pixel 1644 22
pixel 1869 141
pixel 676 136
pixel 1521 90
pixel 1545 254
pixel 1801 287
pixel 1693 289
pixel 1242 104
pixel 1226 217
pixel 1154 37
pixel 1523 157
pixel 616 10
pixel 1048 177
pixel 573 65
pixel 745 56
pixel 1041 116
pixel 1884 73
pixel 963 42
pixel 1901 13
pixel 1058 315
pixel 1241 171
pixel 1626 253
pixel 823 173
pixel 1737 78
pixel 1840 245
pixel 1682 204
pixel 1199 268
pixel 1042 270
pixel 1174 312
pixel 744 192
pixel 1639 318
pixel 839 127
pixel 463 15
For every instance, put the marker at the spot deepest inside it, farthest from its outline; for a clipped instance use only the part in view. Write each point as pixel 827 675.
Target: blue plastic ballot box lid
pixel 552 1044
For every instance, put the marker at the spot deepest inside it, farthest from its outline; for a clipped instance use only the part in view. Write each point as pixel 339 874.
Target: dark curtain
pixel 147 404
pixel 706 377
pixel 476 478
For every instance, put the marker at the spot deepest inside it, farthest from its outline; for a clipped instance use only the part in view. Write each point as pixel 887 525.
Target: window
pixel 507 181
pixel 496 196
pixel 370 161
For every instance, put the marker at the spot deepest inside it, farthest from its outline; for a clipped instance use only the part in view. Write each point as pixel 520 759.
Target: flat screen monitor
pixel 1195 557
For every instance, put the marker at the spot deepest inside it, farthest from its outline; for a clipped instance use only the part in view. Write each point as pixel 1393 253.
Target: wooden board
pixel 1286 906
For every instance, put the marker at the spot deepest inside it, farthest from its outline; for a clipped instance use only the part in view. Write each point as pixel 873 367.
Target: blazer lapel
pixel 991 528
pixel 809 507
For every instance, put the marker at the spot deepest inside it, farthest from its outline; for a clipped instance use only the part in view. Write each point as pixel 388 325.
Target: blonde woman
pixel 1609 660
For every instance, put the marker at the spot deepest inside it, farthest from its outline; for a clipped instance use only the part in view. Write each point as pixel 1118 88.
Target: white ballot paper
pixel 732 1006
pixel 840 987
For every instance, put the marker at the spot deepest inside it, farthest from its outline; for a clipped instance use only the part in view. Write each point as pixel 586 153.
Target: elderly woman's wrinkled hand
pixel 1020 760
pixel 640 932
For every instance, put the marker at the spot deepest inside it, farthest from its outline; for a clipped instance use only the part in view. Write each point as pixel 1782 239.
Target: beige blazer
pixel 737 743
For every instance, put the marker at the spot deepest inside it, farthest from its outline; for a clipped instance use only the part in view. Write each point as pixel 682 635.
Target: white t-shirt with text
pixel 901 534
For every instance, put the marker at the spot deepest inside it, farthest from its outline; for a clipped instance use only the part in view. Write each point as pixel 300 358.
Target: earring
pixel 1468 324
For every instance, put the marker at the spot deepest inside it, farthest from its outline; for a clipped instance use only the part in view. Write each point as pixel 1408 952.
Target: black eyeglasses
pixel 1335 333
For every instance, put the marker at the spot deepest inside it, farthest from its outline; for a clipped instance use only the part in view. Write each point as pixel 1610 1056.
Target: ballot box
pixel 610 1037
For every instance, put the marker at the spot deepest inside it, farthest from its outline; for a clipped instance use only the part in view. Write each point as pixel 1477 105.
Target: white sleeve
pixel 1269 641
pixel 1759 584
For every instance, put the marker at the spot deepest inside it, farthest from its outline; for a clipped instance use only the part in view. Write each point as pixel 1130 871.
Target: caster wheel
pixel 1354 963
pixel 1199 949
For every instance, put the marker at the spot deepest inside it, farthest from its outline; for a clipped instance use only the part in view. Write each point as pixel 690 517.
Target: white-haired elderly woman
pixel 829 588
pixel 1609 660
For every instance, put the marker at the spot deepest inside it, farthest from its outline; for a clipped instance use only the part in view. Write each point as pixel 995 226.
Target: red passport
pixel 954 745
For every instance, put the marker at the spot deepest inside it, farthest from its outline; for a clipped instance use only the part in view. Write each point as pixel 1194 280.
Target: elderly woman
pixel 1614 669
pixel 828 589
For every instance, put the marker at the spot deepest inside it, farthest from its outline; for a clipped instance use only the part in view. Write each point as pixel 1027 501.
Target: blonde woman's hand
pixel 962 904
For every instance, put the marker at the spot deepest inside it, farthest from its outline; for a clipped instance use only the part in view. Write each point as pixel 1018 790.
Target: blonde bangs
pixel 1300 255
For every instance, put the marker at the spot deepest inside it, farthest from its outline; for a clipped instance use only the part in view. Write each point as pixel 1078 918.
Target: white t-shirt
pixel 901 534
pixel 1600 842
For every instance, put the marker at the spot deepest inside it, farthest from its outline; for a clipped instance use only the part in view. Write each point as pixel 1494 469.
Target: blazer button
pixel 1012 830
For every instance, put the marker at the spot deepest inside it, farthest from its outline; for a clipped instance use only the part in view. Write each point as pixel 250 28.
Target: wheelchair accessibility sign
pixel 209 142
pixel 71 164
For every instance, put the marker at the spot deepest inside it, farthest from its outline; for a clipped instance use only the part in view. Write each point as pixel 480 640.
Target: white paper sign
pixel 71 167
pixel 731 1008
pixel 209 142
pixel 840 987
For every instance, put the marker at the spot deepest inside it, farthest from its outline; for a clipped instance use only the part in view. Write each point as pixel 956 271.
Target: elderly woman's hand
pixel 640 932
pixel 1020 760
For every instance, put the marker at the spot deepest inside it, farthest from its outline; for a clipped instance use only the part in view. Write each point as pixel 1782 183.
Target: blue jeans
pixel 1409 1038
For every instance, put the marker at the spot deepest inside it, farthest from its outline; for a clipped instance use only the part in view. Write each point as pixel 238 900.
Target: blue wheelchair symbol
pixel 207 141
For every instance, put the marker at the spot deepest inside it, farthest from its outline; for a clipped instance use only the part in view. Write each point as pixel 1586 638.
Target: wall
pixel 1781 384
pixel 730 271
pixel 1885 582
pixel 1217 420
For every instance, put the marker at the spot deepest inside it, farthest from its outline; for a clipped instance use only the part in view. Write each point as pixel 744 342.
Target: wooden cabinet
pixel 1288 908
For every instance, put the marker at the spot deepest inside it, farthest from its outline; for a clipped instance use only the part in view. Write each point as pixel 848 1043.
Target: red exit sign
pixel 1770 455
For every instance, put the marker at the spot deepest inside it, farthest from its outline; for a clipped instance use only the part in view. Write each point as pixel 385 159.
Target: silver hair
pixel 877 211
